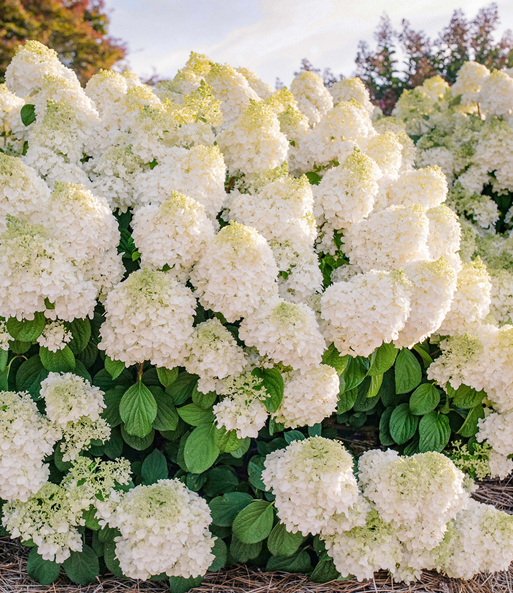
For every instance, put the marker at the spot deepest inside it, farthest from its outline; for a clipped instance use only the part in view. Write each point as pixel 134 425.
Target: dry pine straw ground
pixel 242 579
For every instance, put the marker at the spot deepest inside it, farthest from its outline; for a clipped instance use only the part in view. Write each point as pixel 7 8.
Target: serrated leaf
pixel 354 373
pixel 324 572
pixel 167 417
pixel 385 438
pixel 154 468
pixel 81 332
pixel 114 367
pixel 203 400
pixel 26 330
pixel 254 523
pixel 273 384
pixel 283 543
pixel 469 427
pixel 45 572
pixel 255 469
pixel 62 361
pixel 200 450
pixel 28 114
pixel 424 399
pixel 298 563
pixel 167 376
pixel 195 416
pixel 182 585
pixel 29 376
pixel 382 359
pixel 137 443
pixel 434 432
pixel 467 398
pixel 111 561
pixel 225 508
pixel 82 567
pixel 220 552
pixel 403 424
pixel 333 358
pixel 181 389
pixel 138 410
pixel 112 399
pixel 226 440
pixel 408 373
pixel 243 449
pixel 346 401
pixel 4 357
pixel 244 552
pixel 426 357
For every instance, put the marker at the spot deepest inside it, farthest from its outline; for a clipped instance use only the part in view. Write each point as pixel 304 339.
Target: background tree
pixel 76 29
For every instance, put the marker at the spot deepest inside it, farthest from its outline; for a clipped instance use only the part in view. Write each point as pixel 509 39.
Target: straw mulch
pixel 243 579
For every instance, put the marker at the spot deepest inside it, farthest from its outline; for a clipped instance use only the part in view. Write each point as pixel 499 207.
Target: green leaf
pixel 137 443
pixel 354 373
pixel 283 543
pixel 29 376
pixel 225 508
pixel 182 585
pixel 382 359
pixel 220 552
pixel 374 386
pixel 466 397
pixel 273 384
pixel 333 358
pixel 298 563
pixel 244 552
pixel 293 435
pixel 254 523
pixel 424 399
pixel 403 424
pixel 114 367
pixel 203 400
pixel 426 357
pixel 167 376
pixel 112 399
pixel 315 430
pixel 181 389
pixel 138 410
pixel 28 114
pixel 363 402
pixel 243 449
pixel 469 427
pixel 200 449
pixel 324 572
pixel 81 331
pixel 226 440
pixel 25 330
pixel 91 521
pixel 346 401
pixel 154 468
pixel 44 572
pixel 434 432
pixel 195 416
pixel 385 438
pixel 62 361
pixel 82 567
pixel 255 469
pixel 408 373
pixel 111 562
pixel 167 417
pixel 4 357
pixel 313 178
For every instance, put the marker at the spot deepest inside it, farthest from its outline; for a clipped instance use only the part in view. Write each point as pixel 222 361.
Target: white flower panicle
pixel 55 336
pixel 173 234
pixel 351 88
pixel 309 397
pixel 164 529
pixel 241 408
pixel 496 94
pixel 313 98
pixel 237 274
pixel 312 480
pixel 26 438
pixel 148 316
pixel 285 332
pixel 469 81
pixel 213 354
pixel 365 311
pixel 426 187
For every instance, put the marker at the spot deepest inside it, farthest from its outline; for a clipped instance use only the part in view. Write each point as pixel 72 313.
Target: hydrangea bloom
pixel 164 529
pixel 241 409
pixel 213 353
pixel 286 332
pixel 173 234
pixel 308 397
pixel 312 480
pixel 366 311
pixel 496 94
pixel 426 187
pixel 26 438
pixel 444 233
pixel 469 81
pixel 55 336
pixel 237 274
pixel 148 317
pixel 313 98
pixel 351 88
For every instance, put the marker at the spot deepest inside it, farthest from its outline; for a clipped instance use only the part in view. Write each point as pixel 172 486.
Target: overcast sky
pixel 268 36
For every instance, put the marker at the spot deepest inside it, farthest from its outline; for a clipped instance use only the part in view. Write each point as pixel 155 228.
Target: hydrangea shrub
pixel 207 287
